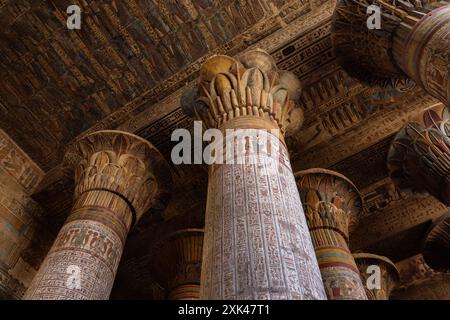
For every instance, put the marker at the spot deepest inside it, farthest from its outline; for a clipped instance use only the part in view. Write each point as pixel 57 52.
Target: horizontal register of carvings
pixel 18 164
pixel 392 212
pixel 384 123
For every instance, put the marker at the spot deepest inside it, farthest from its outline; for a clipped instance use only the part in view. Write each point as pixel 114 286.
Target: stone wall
pixel 23 236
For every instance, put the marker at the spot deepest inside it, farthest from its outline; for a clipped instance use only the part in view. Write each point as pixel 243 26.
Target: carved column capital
pixel 118 176
pixel 330 200
pixel 247 93
pixel 176 265
pixel 367 54
pixel 390 276
pixel 411 43
pixel 121 163
pixel 419 157
pixel 257 244
pixel 436 247
pixel 332 205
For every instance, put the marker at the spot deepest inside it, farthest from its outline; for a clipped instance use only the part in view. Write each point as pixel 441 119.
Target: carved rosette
pixel 118 177
pixel 419 157
pixel 332 205
pixel 436 247
pixel 257 244
pixel 177 264
pixel 413 43
pixel 389 275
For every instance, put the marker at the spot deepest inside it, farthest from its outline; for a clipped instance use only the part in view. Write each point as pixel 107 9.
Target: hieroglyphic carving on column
pixel 374 266
pixel 267 253
pixel 118 177
pixel 436 247
pixel 332 206
pixel 413 43
pixel 257 244
pixel 177 264
pixel 419 157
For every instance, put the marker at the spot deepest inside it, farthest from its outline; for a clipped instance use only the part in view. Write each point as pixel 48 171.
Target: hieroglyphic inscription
pixel 383 123
pixel 92 247
pixel 396 217
pixel 257 245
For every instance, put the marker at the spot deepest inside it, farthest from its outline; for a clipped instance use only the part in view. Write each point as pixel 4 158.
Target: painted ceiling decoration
pixel 127 68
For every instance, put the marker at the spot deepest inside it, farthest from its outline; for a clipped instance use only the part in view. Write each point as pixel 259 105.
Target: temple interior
pixel 353 205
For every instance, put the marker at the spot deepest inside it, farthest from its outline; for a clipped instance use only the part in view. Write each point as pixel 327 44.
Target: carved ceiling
pixel 56 83
pixel 127 68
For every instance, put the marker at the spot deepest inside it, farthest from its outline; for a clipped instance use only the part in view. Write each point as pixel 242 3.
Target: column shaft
pixel 89 245
pixel 332 205
pixel 340 274
pixel 257 244
pixel 118 176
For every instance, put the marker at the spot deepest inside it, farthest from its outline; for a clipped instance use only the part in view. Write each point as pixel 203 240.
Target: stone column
pixel 332 206
pixel 257 244
pixel 118 177
pixel 419 157
pixel 389 275
pixel 177 264
pixel 436 247
pixel 413 42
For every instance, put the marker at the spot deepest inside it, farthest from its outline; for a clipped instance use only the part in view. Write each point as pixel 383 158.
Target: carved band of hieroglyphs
pixel 118 176
pixel 257 245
